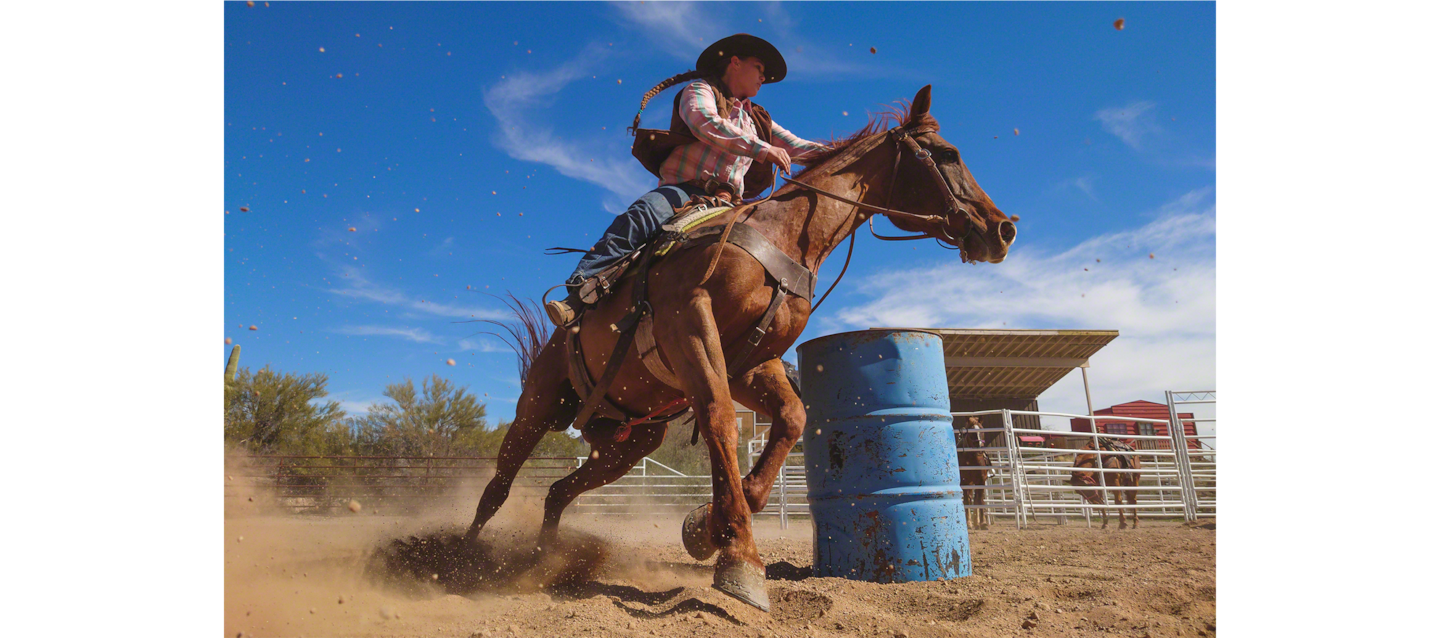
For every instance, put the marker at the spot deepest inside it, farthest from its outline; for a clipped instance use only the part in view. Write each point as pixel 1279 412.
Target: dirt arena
pixel 288 575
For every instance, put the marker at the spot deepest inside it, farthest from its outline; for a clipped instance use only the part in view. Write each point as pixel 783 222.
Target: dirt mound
pixel 445 559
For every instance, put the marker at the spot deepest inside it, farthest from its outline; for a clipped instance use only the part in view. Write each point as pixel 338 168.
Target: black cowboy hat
pixel 713 60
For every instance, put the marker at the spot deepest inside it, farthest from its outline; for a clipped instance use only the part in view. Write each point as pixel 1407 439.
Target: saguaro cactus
pixel 232 364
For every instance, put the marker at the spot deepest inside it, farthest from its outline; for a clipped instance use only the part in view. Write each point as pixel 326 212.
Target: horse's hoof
pixel 745 583
pixel 695 533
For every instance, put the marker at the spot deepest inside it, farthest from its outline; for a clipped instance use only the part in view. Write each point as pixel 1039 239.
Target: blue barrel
pixel 880 458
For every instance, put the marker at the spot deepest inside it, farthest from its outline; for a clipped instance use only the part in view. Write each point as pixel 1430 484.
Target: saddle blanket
pixel 689 221
pixel 598 287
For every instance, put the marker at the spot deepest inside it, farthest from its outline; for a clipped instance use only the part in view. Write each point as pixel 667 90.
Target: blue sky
pixel 459 140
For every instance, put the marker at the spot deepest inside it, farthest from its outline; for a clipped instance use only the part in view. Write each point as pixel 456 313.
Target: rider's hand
pixel 777 156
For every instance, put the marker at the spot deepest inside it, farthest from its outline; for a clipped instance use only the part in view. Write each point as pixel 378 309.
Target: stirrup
pixel 560 313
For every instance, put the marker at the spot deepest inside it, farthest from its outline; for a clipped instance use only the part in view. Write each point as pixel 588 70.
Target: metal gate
pixel 1177 475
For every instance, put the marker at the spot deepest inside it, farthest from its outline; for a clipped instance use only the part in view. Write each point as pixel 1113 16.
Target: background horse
pixel 970 439
pixel 1112 479
pixel 908 173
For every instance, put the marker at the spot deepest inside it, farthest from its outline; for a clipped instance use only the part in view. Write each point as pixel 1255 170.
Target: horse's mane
pixel 888 117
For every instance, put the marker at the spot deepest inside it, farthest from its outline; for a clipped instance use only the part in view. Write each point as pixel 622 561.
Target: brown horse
pixel 971 438
pixel 909 172
pixel 1130 478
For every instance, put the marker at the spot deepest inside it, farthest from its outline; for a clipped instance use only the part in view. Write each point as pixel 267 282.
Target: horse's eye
pixel 947 156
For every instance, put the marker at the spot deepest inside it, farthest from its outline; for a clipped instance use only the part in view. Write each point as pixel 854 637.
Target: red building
pixel 1115 423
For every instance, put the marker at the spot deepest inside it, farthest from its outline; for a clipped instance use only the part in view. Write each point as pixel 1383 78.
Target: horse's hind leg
pixel 1133 496
pixel 1104 501
pixel 766 389
pixel 607 463
pixel 1119 497
pixel 546 402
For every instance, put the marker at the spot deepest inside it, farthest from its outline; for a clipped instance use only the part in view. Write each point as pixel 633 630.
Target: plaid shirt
pixel 728 145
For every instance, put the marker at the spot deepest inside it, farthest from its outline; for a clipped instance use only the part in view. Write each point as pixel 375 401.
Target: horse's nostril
pixel 1007 232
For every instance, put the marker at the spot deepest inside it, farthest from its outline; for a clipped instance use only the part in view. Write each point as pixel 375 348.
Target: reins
pixel 900 135
pixel 906 136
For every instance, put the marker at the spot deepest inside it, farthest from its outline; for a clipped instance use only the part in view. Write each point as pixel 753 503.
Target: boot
pixel 562 313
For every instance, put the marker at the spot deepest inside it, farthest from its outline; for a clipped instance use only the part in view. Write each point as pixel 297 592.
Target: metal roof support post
pixel 1181 448
pixel 1095 438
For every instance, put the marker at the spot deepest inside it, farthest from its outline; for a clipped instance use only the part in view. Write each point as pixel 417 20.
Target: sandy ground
pixel 288 575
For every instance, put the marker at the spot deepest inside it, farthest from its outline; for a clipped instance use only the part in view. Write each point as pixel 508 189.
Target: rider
pixel 730 133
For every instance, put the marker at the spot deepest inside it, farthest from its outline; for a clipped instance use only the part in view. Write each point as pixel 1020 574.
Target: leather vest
pixel 653 146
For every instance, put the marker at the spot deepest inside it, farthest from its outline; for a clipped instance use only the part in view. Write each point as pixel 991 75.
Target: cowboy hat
pixel 713 60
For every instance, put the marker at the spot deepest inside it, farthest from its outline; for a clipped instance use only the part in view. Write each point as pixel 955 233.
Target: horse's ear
pixel 921 104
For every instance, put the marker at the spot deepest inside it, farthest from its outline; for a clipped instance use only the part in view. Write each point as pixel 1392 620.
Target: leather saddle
pixel 684 230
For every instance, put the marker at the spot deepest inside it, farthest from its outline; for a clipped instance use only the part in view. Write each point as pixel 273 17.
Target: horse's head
pixel 932 181
pixel 1080 478
pixel 972 433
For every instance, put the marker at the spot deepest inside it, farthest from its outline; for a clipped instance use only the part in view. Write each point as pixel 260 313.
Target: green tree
pixel 270 412
pixel 439 420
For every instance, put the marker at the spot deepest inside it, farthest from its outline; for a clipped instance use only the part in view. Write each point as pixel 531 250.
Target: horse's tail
pixel 528 335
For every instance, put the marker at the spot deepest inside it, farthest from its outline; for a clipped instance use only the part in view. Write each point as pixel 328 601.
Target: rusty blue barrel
pixel 880 458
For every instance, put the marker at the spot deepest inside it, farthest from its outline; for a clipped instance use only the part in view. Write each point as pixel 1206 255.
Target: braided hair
pixel 687 76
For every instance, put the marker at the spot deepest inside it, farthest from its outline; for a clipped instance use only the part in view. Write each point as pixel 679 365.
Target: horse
pixel 975 513
pixel 1129 478
pixel 701 325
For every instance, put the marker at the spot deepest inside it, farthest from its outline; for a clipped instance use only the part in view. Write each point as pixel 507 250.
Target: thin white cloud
pixel 357 286
pixel 1084 184
pixel 1213 162
pixel 418 335
pixel 683 29
pixel 1132 123
pixel 482 344
pixel 680 29
pixel 443 248
pixel 1163 307
pixel 524 95
pixel 345 251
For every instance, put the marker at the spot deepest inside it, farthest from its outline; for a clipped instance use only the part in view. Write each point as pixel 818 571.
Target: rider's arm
pixel 698 109
pixel 793 144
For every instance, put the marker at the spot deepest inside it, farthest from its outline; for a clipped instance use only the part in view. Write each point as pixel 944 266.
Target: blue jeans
pixel 632 228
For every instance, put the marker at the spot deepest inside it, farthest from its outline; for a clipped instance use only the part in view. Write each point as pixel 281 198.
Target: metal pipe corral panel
pixel 880 458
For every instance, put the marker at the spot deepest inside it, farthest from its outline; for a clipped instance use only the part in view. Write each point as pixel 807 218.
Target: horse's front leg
pixel 766 389
pixel 700 365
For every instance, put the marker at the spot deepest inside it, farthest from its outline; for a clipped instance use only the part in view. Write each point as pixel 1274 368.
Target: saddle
pixel 1125 459
pixel 700 209
pixel 637 327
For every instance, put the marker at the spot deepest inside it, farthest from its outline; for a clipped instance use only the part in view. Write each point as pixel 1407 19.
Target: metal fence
pixel 407 484
pixel 1177 477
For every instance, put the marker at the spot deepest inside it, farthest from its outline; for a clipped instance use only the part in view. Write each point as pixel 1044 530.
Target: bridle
pixel 905 137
